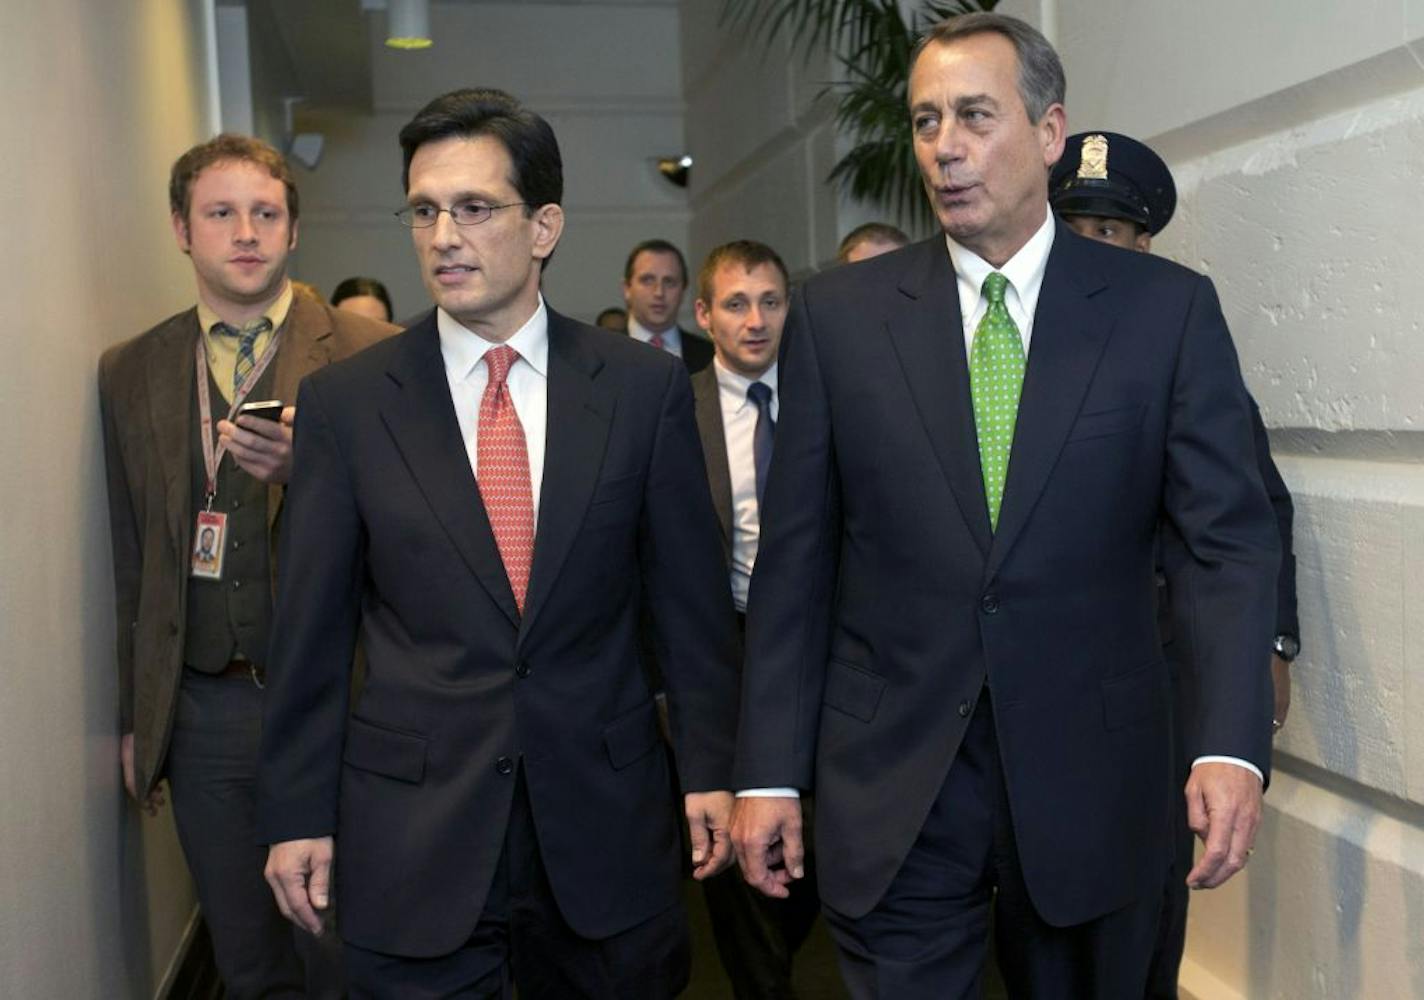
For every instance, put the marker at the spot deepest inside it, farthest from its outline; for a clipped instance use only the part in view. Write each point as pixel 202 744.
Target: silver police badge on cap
pixel 1093 163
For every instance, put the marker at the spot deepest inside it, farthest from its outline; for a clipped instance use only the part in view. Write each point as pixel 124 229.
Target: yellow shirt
pixel 222 348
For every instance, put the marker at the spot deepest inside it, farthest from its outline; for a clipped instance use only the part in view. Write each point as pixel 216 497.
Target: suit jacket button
pixel 504 765
pixel 521 669
pixel 964 709
pixel 990 604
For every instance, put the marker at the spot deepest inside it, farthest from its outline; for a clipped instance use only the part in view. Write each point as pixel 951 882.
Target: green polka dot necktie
pixel 996 371
pixel 246 347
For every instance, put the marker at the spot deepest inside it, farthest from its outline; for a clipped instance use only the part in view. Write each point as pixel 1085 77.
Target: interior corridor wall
pixel 96 100
pixel 1295 129
pixel 608 78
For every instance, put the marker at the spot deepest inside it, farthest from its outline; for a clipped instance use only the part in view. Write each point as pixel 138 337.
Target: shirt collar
pixel 735 384
pixel 638 331
pixel 1024 269
pixel 276 312
pixel 464 349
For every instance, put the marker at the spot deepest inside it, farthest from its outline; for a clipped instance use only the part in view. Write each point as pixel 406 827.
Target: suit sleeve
pixel 127 548
pixel 793 587
pixel 313 635
pixel 1215 499
pixel 685 583
pixel 1287 620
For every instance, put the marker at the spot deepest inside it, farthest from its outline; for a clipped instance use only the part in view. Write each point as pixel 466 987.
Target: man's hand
pixel 1280 680
pixel 766 831
pixel 709 820
pixel 126 759
pixel 261 447
pixel 1223 809
pixel 299 872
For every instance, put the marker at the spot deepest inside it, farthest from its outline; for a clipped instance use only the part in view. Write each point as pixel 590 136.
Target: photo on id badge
pixel 208 545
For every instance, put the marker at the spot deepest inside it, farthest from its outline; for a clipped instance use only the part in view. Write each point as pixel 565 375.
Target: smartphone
pixel 267 409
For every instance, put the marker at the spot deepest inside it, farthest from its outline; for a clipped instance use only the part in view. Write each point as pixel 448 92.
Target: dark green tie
pixel 996 371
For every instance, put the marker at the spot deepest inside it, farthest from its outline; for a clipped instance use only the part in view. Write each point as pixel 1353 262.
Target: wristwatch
pixel 1286 646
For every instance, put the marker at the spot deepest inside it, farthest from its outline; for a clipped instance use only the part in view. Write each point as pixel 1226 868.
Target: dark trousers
pixel 928 937
pixel 758 936
pixel 212 769
pixel 522 941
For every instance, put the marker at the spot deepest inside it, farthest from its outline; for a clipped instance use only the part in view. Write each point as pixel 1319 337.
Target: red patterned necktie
pixel 657 341
pixel 503 474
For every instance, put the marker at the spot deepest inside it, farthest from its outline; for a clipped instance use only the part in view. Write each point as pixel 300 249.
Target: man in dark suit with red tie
pixel 485 501
pixel 952 628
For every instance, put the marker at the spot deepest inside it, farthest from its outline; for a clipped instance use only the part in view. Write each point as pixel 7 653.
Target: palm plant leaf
pixel 872 42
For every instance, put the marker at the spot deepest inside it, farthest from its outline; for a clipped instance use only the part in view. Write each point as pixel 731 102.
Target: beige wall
pixel 96 99
pixel 1296 133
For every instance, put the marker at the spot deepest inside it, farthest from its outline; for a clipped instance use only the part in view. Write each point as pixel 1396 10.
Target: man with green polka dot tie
pixel 996 370
pixel 951 633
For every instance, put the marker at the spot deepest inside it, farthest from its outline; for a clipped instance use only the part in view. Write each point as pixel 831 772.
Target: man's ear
pixel 704 315
pixel 548 221
pixel 1143 242
pixel 292 242
pixel 180 232
pixel 1053 132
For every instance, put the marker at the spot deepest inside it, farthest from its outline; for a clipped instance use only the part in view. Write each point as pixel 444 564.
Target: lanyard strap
pixel 213 455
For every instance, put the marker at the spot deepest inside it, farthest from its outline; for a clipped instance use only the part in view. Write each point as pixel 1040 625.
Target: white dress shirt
pixel 1025 271
pixel 672 336
pixel 528 381
pixel 739 420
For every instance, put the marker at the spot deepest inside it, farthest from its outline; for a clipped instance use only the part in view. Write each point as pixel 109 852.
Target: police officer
pixel 1114 189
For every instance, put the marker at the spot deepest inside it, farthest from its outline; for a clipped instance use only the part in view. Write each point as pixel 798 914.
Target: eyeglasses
pixel 463 213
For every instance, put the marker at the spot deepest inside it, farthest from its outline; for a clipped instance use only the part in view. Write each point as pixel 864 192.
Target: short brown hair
pixel 748 253
pixel 653 246
pixel 227 148
pixel 871 232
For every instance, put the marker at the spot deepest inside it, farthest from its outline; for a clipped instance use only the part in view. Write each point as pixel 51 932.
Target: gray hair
pixel 1041 80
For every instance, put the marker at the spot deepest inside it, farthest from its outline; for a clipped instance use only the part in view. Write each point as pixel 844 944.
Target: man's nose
pixel 246 232
pixel 444 233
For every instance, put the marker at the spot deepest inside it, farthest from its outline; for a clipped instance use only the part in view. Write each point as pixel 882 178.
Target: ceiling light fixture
pixel 408 24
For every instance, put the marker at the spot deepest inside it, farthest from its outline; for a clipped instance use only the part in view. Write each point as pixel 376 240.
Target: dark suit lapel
pixel 420 416
pixel 708 409
pixel 173 408
pixel 1069 334
pixel 305 348
pixel 578 420
pixel 926 332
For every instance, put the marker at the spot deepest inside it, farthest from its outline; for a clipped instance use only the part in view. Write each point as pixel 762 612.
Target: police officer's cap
pixel 1112 175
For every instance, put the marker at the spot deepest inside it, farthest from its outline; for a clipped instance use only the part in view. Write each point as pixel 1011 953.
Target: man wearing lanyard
pixel 195 494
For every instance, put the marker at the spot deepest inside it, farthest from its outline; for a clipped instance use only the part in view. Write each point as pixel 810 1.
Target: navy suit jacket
pixel 386 537
pixel 883 604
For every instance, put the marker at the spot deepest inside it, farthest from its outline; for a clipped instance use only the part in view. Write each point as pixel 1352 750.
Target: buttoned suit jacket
pixel 387 537
pixel 148 402
pixel 883 604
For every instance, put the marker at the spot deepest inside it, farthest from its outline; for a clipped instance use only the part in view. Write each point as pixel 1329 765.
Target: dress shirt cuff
pixel 1232 760
pixel 768 793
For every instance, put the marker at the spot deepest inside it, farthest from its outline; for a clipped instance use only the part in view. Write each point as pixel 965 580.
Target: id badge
pixel 208 545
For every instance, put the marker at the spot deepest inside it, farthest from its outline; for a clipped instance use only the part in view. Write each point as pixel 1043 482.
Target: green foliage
pixel 872 41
